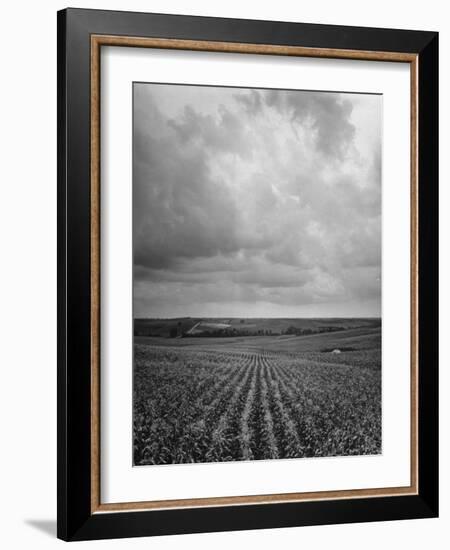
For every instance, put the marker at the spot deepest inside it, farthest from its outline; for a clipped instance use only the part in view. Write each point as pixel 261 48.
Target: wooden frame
pixel 81 34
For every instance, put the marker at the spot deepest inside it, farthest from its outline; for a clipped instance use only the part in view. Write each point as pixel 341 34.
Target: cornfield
pixel 215 405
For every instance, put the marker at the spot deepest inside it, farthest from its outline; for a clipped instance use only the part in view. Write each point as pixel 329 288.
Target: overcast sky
pixel 256 203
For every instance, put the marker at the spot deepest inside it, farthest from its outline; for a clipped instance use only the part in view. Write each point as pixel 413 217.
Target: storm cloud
pixel 256 202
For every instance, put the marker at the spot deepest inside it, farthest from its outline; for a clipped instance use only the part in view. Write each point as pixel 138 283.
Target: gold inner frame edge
pixel 97 41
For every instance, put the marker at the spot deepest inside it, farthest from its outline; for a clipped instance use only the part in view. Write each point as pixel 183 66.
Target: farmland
pixel 258 397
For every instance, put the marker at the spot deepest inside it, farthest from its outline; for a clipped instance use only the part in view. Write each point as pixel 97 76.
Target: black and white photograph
pixel 257 274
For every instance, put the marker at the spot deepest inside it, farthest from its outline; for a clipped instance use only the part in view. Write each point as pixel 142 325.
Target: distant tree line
pixel 179 332
pixel 229 332
pixel 317 330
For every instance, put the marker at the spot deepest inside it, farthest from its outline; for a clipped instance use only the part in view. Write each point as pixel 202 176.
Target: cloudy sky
pixel 256 203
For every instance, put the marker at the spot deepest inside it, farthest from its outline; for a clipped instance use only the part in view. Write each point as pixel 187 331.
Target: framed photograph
pixel 247 253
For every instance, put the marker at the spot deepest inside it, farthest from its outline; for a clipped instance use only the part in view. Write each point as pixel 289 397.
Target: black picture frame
pixel 76 521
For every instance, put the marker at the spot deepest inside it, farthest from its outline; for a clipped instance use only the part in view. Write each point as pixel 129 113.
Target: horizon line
pixel 244 317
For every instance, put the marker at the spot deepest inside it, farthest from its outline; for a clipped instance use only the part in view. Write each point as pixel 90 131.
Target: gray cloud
pixel 223 134
pixel 173 203
pixel 323 113
pixel 256 201
pixel 251 100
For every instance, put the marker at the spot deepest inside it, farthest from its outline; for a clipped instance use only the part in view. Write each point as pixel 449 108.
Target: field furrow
pixel 222 436
pixel 268 446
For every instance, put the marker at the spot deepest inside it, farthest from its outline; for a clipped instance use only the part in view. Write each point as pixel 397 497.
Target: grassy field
pixel 200 399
